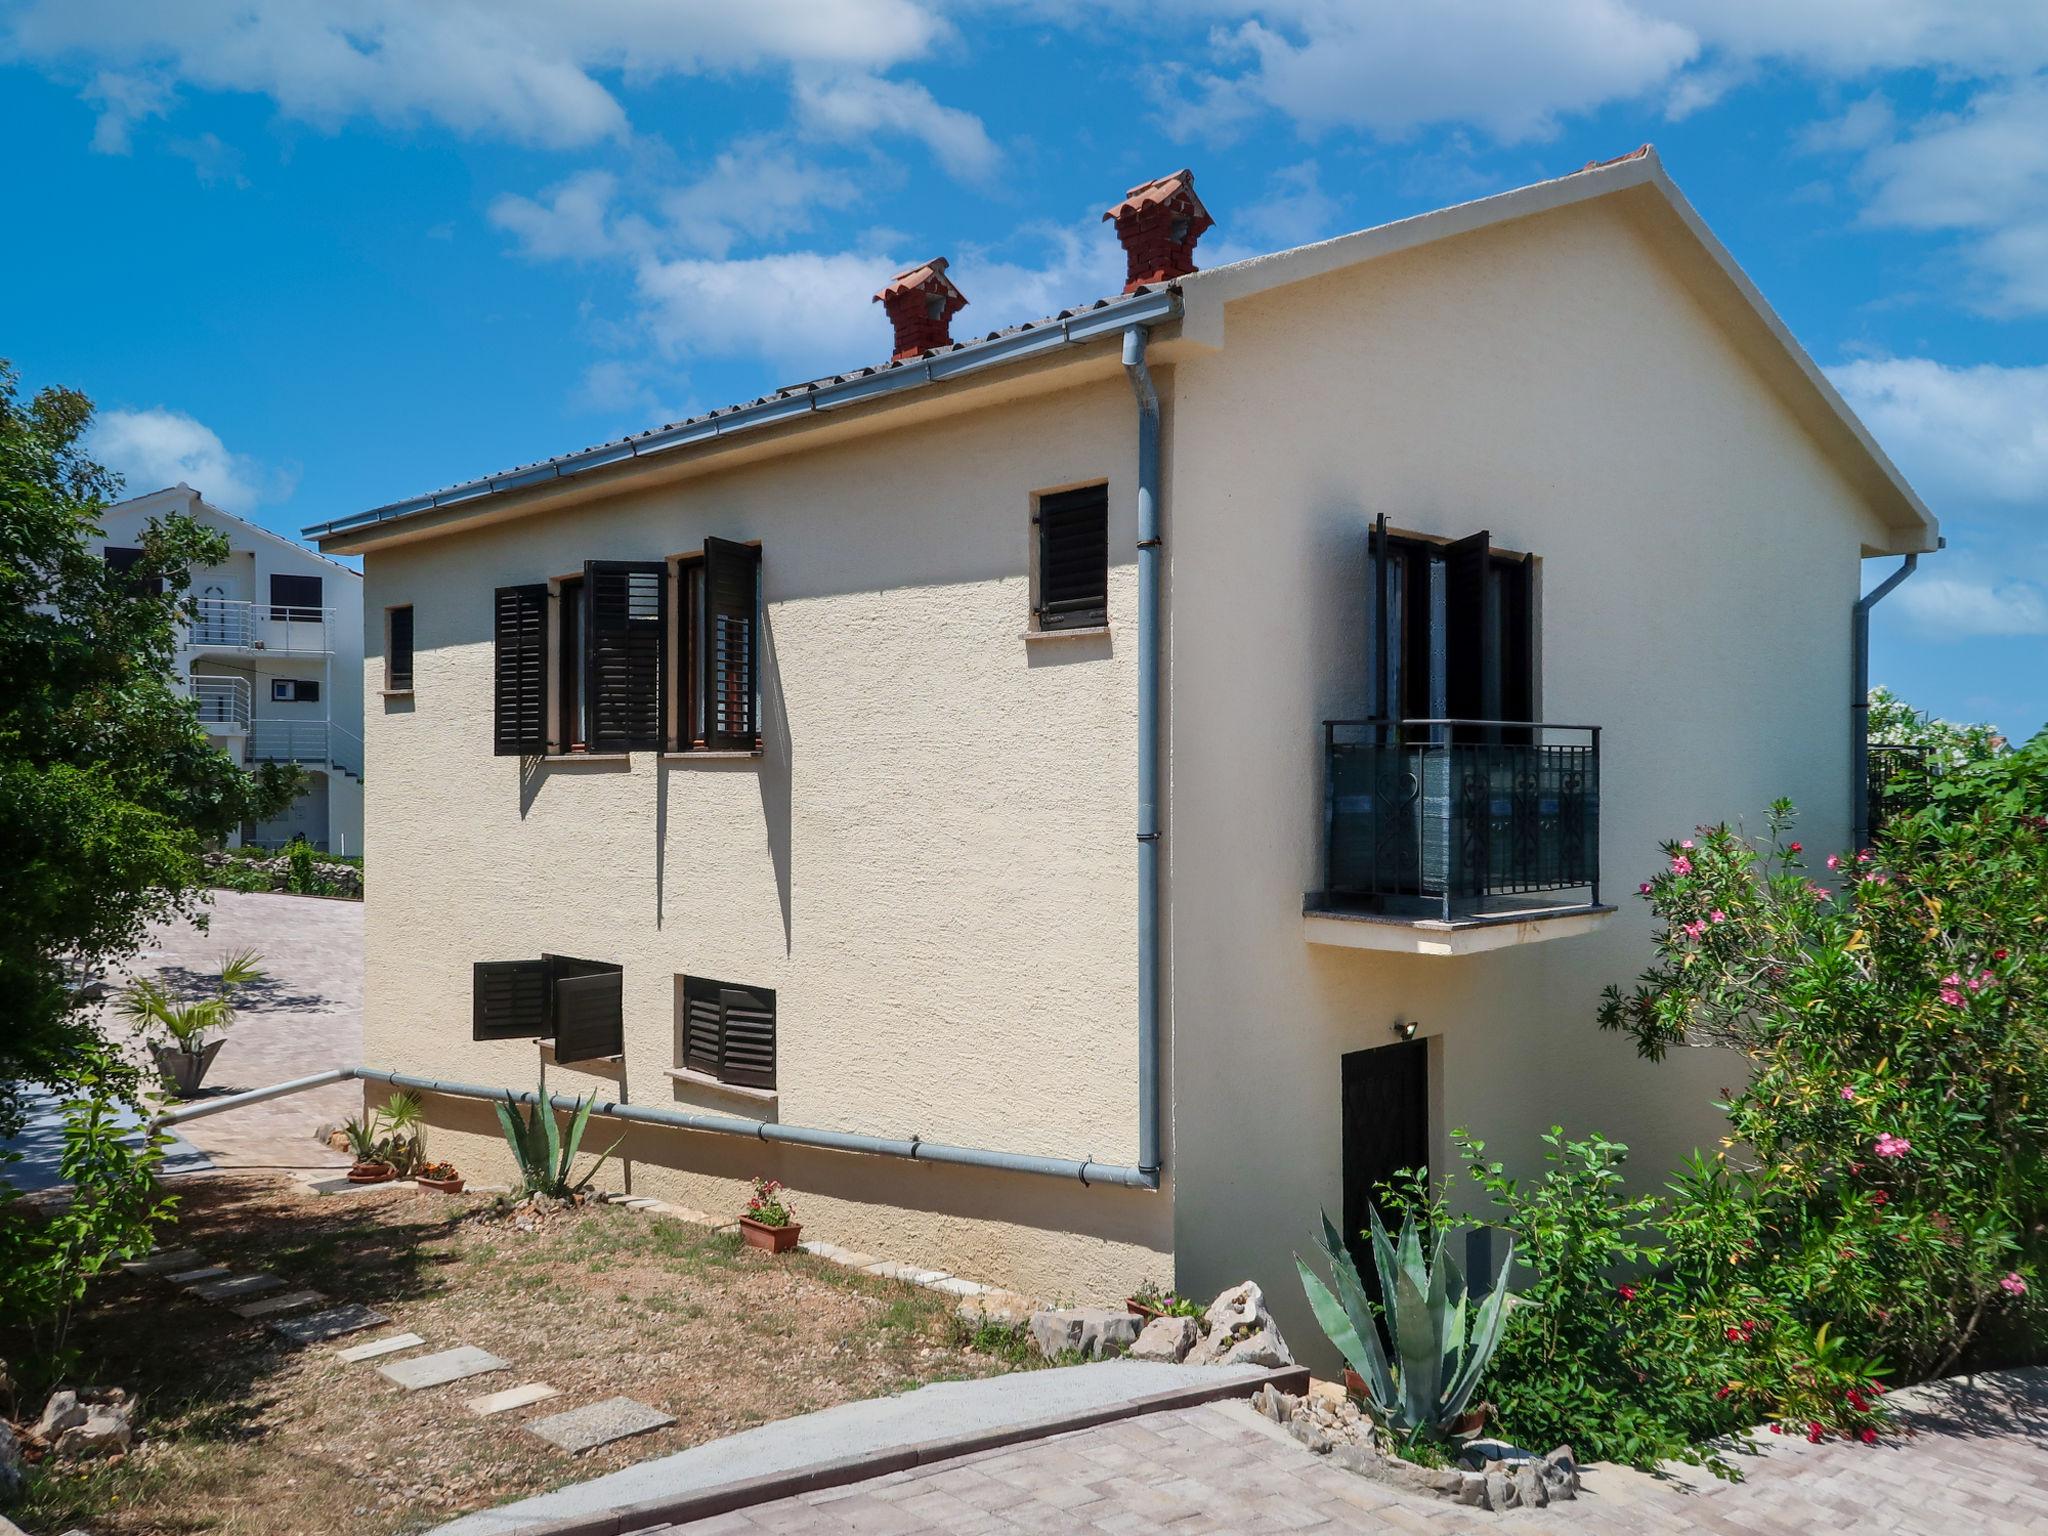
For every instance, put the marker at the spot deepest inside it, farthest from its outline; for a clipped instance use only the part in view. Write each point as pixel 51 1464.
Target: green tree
pixel 1895 723
pixel 109 789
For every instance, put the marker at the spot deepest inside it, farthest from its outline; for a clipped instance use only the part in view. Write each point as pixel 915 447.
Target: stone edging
pixel 745 1494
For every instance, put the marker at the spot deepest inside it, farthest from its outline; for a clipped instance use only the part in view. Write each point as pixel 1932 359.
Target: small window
pixel 571 720
pixel 726 1032
pixel 294 690
pixel 1073 559
pixel 122 560
pixel 295 597
pixel 398 649
pixel 577 1004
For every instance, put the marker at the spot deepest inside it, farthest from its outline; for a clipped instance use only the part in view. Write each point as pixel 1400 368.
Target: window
pixel 625 635
pixel 398 649
pixel 294 597
pixel 122 560
pixel 294 690
pixel 726 1032
pixel 1451 629
pixel 1073 559
pixel 578 1004
pixel 572 732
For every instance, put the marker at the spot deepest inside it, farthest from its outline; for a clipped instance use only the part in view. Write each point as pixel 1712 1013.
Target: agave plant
pixel 1437 1361
pixel 544 1154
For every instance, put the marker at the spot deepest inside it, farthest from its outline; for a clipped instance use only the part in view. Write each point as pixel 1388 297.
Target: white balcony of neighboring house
pixel 309 743
pixel 222 703
pixel 237 626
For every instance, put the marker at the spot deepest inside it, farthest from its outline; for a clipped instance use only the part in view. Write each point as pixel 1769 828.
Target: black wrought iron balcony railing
pixel 1898 778
pixel 1460 818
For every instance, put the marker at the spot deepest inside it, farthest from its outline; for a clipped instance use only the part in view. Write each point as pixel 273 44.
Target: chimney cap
pixel 926 276
pixel 1178 189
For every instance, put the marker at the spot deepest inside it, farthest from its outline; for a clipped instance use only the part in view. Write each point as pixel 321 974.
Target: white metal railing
pixel 236 624
pixel 222 702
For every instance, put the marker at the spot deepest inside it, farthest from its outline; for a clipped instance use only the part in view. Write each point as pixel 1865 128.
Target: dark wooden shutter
pixel 1073 558
pixel 590 1018
pixel 1379 580
pixel 512 1000
pixel 699 1028
pixel 732 643
pixel 1515 579
pixel 294 597
pixel 522 670
pixel 747 1044
pixel 398 658
pixel 625 626
pixel 1471 632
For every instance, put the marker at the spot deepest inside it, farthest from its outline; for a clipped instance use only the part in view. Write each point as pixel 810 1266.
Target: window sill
pixel 711 757
pixel 586 757
pixel 691 1079
pixel 394 693
pixel 1086 632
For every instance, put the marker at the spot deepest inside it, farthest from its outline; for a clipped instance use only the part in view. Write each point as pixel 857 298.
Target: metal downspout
pixel 1859 705
pixel 1149 1161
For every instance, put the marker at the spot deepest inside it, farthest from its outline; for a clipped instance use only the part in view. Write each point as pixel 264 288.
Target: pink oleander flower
pixel 1863 856
pixel 1877 879
pixel 1625 1292
pixel 1889 1145
pixel 1834 861
pixel 1717 916
pixel 1643 889
pixel 1795 847
pixel 1849 1095
pixel 1953 997
pixel 1686 844
pixel 1820 893
pixel 1695 928
pixel 1681 865
pixel 2013 1285
pixel 1867 1436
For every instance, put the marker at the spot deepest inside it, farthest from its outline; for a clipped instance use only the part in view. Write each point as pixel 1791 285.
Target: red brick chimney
pixel 1159 223
pixel 921 304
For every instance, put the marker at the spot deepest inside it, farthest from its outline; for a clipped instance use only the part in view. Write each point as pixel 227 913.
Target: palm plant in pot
pixel 370 1149
pixel 770 1222
pixel 190 1030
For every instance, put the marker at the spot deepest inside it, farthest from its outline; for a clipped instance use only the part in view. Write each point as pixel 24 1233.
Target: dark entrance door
pixel 1386 1128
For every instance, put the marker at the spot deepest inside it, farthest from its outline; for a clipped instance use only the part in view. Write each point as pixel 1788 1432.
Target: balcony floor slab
pixel 1459 936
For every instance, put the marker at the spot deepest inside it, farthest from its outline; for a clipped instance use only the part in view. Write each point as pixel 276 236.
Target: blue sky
pixel 312 258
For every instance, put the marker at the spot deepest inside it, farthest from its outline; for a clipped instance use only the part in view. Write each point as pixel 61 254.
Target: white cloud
pixel 524 70
pixel 1953 607
pixel 860 106
pixel 1296 211
pixel 572 223
pixel 123 101
pixel 154 448
pixel 1977 436
pixel 803 311
pixel 755 190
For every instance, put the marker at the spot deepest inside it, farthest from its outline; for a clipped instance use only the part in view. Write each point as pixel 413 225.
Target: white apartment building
pixel 273 654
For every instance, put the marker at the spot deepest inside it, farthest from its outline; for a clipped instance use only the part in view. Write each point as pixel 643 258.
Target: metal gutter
pixel 1140 309
pixel 1859 703
pixel 913 1149
pixel 1149 545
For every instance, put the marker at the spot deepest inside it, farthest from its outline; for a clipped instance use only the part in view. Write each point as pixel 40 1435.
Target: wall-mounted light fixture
pixel 1406 1031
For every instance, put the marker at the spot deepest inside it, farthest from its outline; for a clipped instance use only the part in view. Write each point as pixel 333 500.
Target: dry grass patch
pixel 246 1434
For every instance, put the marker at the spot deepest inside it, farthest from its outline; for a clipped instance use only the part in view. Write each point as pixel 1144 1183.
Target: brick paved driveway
pixel 1974 1464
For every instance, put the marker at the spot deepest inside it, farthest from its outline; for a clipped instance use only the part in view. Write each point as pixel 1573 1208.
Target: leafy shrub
pixel 300 878
pixel 1167 1303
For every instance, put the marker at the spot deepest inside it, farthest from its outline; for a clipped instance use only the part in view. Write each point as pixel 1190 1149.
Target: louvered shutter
pixel 590 1018
pixel 512 1000
pixel 732 642
pixel 1073 559
pixel 1472 684
pixel 697 1049
pixel 747 1044
pixel 522 670
pixel 1379 643
pixel 398 653
pixel 625 626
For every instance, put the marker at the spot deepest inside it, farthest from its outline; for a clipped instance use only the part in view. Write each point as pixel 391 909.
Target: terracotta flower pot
pixel 372 1173
pixel 449 1186
pixel 1139 1309
pixel 757 1234
pixel 182 1070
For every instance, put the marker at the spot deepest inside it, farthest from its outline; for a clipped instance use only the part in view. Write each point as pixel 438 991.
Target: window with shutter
pixel 512 1000
pixel 1073 559
pixel 625 627
pixel 398 649
pixel 521 626
pixel 123 560
pixel 1451 631
pixel 729 653
pixel 295 597
pixel 590 1021
pixel 727 1032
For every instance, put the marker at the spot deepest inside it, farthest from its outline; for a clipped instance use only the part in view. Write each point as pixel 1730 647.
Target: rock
pixel 10 1464
pixel 105 1432
pixel 1500 1490
pixel 1331 1392
pixel 1238 1330
pixel 1265 1347
pixel 1166 1339
pixel 1471 1490
pixel 1055 1333
pixel 1095 1332
pixel 1561 1473
pixel 1529 1486
pixel 1241 1304
pixel 1005 1309
pixel 61 1412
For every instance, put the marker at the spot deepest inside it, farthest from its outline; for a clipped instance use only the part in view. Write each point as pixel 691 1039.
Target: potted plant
pixel 768 1220
pixel 442 1176
pixel 372 1164
pixel 1149 1301
pixel 404 1145
pixel 191 1028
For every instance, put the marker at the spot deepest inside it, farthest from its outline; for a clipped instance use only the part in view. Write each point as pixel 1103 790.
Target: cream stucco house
pixel 952 778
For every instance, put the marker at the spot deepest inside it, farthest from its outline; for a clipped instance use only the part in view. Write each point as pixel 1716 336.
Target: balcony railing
pixel 222 702
pixel 1450 819
pixel 1898 777
pixel 234 624
pixel 310 743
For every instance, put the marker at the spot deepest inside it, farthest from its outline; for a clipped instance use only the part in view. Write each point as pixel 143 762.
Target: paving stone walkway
pixel 1975 1464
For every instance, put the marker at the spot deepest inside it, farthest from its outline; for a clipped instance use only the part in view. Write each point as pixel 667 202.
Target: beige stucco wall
pixel 931 864
pixel 1551 382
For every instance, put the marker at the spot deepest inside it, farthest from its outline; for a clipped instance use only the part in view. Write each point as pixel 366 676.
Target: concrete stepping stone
pixel 458 1364
pixel 376 1347
pixel 204 1272
pixel 342 1185
pixel 512 1397
pixel 316 1327
pixel 235 1287
pixel 270 1306
pixel 585 1429
pixel 167 1263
